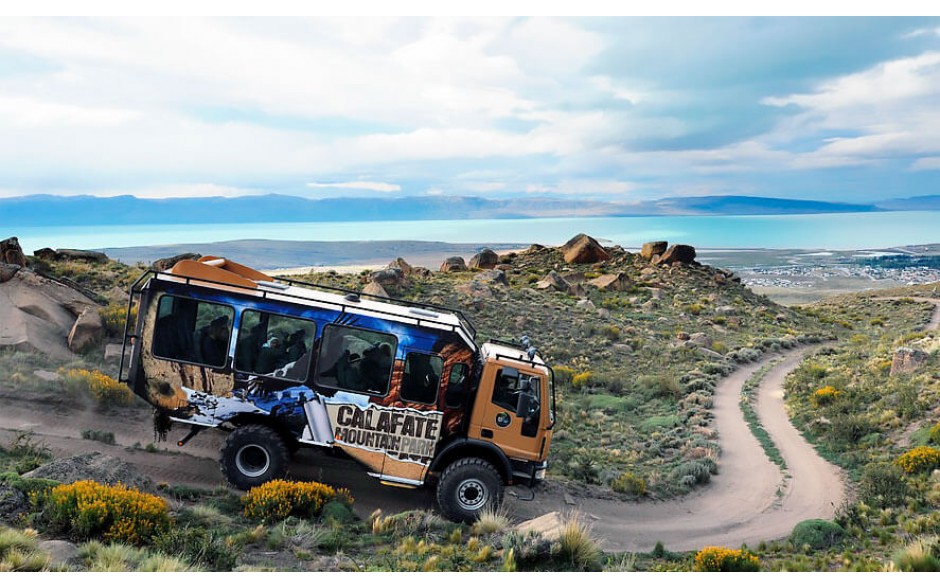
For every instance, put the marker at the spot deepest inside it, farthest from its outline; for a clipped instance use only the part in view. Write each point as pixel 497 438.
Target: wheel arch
pixel 275 424
pixel 464 448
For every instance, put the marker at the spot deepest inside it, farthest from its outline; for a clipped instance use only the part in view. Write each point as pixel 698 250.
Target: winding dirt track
pixel 749 501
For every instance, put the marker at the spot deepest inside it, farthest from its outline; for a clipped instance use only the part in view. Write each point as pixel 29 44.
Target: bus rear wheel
pixel 253 455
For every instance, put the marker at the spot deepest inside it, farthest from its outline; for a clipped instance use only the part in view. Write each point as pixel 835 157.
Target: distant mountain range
pixel 48 210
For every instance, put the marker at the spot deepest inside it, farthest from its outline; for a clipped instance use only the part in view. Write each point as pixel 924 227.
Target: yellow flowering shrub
pixel 922 458
pixel 825 396
pixel 105 389
pixel 581 379
pixel 279 499
pixel 87 509
pixel 113 317
pixel 718 558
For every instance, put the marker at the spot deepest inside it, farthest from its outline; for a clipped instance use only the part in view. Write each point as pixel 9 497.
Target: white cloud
pixel 372 186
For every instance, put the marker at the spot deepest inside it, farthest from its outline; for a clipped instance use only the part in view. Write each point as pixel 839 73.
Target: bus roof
pixel 215 273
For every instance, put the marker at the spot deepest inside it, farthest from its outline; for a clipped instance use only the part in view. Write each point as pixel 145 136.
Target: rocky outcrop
pixel 11 252
pixel 453 264
pixel 167 263
pixel 612 282
pixel 37 314
pixel 653 249
pixel 87 330
pixel 408 270
pixel 485 259
pixel 907 360
pixel 584 249
pixel 81 255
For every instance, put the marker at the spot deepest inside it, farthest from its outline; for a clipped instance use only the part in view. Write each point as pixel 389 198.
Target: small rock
pixel 587 304
pixel 492 277
pixel 50 375
pixel 603 313
pixel 726 310
pixel 576 290
pixel 682 336
pixel 548 526
pixel 710 353
pixel 617 282
pixel 46 254
pixel 474 290
pixel 375 289
pixel 657 293
pixel 112 352
pixel 553 281
pixel 61 552
pixel 700 339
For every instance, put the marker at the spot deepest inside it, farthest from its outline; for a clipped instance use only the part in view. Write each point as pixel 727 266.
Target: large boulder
pixel 7 271
pixel 11 252
pixel 389 277
pixel 37 314
pixel 485 259
pixel 167 263
pixel 684 254
pixel 452 264
pixel 651 249
pixel 584 249
pixel 81 255
pixel 611 282
pixel 87 330
pixel 907 360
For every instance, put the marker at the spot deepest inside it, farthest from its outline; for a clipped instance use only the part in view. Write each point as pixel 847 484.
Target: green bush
pixel 629 483
pixel 883 485
pixel 818 534
pixel 199 547
pixel 922 555
pixel 935 434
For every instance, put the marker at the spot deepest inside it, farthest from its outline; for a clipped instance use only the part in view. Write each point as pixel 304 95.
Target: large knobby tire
pixel 253 455
pixel 467 488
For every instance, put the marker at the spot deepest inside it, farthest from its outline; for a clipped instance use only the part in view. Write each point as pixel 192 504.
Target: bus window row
pixel 271 345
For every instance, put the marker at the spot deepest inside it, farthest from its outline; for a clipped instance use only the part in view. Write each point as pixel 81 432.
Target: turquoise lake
pixel 823 231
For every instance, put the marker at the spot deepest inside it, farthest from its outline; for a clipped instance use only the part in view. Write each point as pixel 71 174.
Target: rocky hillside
pixel 637 342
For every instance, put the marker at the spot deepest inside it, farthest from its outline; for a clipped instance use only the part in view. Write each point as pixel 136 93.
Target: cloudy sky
pixel 845 109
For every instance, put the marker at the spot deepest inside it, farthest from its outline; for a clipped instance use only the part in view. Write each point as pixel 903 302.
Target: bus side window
pixel 273 345
pixel 421 378
pixel 457 383
pixel 192 331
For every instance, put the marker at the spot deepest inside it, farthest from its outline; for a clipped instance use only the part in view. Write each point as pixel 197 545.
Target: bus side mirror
pixel 528 406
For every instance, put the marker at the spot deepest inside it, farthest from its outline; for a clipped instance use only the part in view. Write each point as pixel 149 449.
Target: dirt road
pixel 749 501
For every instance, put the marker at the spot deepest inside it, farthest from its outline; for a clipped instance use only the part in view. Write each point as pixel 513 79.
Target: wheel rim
pixel 252 460
pixel 471 494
